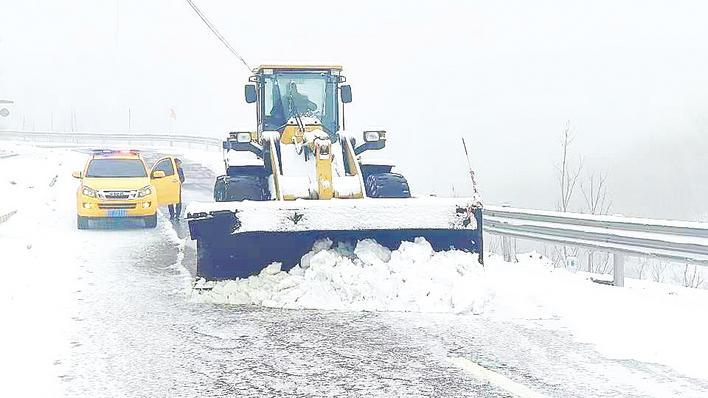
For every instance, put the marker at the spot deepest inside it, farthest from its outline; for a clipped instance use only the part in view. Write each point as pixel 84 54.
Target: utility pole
pixel 469 166
pixel 129 120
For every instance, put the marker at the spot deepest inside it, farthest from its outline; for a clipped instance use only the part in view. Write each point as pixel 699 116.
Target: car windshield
pixel 116 168
pixel 300 94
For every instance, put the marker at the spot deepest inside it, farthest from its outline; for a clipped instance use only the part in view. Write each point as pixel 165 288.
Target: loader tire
pixel 387 185
pixel 238 188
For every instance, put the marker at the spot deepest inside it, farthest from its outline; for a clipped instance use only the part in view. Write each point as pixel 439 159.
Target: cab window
pixel 166 166
pixel 115 168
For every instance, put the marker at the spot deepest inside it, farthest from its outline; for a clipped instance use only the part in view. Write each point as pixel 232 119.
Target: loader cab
pixel 284 93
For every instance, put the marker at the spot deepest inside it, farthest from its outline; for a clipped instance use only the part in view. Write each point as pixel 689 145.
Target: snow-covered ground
pixel 36 298
pixel 645 321
pixel 112 313
pixel 44 260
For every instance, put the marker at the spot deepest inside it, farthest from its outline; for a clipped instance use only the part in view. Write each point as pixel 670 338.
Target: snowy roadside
pixel 46 262
pixel 645 321
pixel 37 302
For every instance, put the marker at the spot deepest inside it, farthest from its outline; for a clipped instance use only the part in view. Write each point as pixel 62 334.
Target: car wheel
pixel 81 222
pixel 151 221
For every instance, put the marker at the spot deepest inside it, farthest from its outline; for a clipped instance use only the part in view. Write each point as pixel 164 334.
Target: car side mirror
pixel 76 174
pixel 345 92
pixel 250 93
pixel 158 174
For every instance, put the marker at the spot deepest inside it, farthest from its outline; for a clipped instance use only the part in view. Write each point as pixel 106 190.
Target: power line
pixel 217 34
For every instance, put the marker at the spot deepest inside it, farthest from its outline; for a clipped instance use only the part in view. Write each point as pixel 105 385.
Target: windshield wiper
pixel 298 117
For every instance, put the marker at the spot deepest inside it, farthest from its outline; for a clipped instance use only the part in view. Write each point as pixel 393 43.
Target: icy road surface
pixel 109 313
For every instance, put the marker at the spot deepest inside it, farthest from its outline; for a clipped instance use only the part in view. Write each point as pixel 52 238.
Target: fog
pixel 630 77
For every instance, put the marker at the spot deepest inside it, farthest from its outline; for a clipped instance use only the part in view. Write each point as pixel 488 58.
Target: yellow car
pixel 116 184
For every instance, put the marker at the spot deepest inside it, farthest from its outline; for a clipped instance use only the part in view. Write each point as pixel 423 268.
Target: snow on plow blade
pixel 239 239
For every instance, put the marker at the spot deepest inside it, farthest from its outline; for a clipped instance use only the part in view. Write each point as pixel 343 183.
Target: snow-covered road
pixel 108 313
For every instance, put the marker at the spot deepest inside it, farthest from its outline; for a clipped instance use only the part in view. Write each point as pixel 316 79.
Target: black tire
pixel 238 188
pixel 220 189
pixel 150 221
pixel 81 222
pixel 387 185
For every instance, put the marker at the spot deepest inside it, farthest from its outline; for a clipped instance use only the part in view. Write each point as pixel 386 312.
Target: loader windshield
pixel 308 94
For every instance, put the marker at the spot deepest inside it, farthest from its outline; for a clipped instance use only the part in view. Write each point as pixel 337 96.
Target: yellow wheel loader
pixel 300 177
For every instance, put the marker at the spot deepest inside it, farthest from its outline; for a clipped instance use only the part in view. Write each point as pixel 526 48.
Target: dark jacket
pixel 180 172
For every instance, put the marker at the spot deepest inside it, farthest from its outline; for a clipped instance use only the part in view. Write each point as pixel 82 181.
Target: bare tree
pixel 657 270
pixel 596 202
pixel 595 194
pixel 568 178
pixel 567 173
pixel 642 264
pixel 603 265
pixel 492 243
pixel 692 276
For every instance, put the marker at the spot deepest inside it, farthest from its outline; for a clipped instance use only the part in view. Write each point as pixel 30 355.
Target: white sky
pixel 631 76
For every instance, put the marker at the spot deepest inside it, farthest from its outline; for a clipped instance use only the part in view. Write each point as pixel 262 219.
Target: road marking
pixel 499 380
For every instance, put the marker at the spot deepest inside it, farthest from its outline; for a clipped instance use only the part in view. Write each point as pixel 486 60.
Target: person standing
pixel 176 209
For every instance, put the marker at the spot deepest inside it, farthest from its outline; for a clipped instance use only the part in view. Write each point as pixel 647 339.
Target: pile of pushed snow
pixel 368 277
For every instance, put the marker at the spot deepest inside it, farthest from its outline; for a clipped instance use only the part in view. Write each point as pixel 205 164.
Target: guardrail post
pixel 618 262
pixel 506 248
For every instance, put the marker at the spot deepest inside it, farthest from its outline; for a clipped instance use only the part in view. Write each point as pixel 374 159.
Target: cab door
pixel 167 187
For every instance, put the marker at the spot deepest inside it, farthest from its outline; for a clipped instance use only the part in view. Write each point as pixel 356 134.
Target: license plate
pixel 117 213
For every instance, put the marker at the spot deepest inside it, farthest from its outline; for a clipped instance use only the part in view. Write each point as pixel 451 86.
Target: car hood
pixel 117 184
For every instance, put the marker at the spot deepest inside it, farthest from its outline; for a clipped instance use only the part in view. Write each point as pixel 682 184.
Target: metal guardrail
pixel 5 217
pixel 671 240
pixel 111 138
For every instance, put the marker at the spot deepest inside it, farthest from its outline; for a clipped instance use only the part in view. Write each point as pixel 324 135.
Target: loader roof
pixel 260 68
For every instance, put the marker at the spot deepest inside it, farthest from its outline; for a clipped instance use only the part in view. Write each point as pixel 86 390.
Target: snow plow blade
pixel 239 239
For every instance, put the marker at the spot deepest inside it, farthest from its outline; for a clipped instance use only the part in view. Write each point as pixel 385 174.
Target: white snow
pixel 44 261
pixel 211 159
pixel 241 158
pixel 367 277
pixel 644 321
pixel 41 251
pixel 347 214
pixel 36 299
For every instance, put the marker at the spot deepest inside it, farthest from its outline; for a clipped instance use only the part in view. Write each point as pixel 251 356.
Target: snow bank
pixel 644 321
pixel 367 277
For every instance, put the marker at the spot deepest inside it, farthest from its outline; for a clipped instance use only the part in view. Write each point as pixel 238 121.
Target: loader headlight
pixel 243 137
pixel 144 191
pixel 374 136
pixel 86 191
